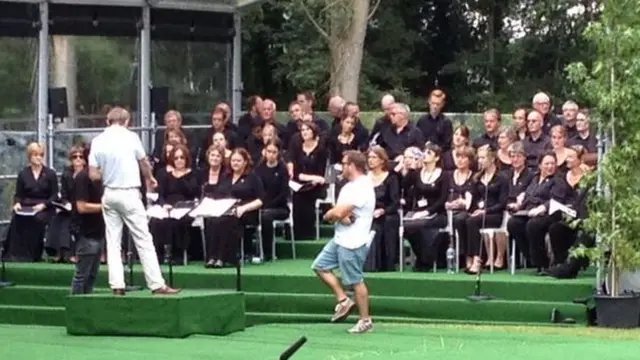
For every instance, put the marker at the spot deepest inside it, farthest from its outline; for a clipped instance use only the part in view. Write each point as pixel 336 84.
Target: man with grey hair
pixel 117 158
pixel 569 113
pixel 382 122
pixel 542 104
pixel 401 134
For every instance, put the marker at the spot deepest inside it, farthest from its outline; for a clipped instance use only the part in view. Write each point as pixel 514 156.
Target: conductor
pixel 117 157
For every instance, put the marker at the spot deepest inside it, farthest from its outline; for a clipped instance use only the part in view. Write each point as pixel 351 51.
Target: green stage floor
pixel 286 291
pixel 330 342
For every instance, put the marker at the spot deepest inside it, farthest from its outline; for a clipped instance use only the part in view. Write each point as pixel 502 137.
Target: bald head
pixel 336 104
pixel 386 101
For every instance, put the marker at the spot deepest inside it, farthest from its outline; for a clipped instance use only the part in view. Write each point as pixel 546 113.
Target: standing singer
pixel 117 158
pixel 348 249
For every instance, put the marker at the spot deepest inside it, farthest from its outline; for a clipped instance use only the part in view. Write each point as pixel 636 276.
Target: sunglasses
pixel 179 157
pixel 76 156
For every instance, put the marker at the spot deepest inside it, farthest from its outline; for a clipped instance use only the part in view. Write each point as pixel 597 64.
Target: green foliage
pixel 612 85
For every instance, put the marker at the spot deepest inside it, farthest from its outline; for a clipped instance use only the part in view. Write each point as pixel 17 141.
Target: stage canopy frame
pixel 179 20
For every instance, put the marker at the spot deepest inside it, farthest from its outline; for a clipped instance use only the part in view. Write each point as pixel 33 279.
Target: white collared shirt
pixel 116 152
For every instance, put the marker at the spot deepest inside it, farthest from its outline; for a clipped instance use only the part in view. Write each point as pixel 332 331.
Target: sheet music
pixel 418 215
pixel 521 213
pixel 295 186
pixel 157 212
pixel 61 206
pixel 213 208
pixel 467 200
pixel 179 213
pixel 26 211
pixel 555 206
pixel 152 196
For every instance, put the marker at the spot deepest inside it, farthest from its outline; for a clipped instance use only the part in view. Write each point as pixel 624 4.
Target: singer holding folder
pixel 243 185
pixel 36 190
pixel 176 189
pixel 117 158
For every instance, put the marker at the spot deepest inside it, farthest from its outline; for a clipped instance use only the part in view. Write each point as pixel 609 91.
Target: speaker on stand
pixel 159 107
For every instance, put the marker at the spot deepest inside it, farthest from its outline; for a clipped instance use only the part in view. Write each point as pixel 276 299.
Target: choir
pixel 433 184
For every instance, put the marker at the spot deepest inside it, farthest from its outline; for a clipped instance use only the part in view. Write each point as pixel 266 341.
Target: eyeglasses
pixel 38 154
pixel 179 157
pixel 76 156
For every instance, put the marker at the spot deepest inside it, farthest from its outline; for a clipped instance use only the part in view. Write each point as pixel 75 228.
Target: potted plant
pixel 612 86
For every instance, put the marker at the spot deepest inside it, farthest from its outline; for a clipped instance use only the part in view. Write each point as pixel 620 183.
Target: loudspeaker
pixel 159 100
pixel 58 106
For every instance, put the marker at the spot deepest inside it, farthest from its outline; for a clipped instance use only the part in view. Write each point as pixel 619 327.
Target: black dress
pixel 383 253
pixel 212 226
pixel 304 200
pixel 275 182
pixel 245 189
pixel 25 238
pixel 174 232
pixel 461 190
pixel 423 233
pixel 59 242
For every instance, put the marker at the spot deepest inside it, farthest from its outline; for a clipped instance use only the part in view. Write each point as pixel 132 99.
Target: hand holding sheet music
pixel 555 206
pixel 25 211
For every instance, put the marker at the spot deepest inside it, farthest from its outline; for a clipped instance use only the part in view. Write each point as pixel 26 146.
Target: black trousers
pixel 423 237
pixel 474 225
pixel 59 236
pixel 383 253
pixel 268 216
pixel 304 212
pixel 171 232
pixel 460 228
pixel 529 235
pixel 88 250
pixel 561 237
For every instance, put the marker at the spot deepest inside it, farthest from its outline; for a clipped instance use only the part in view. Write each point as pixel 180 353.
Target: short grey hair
pixel 118 115
pixel 570 104
pixel 405 108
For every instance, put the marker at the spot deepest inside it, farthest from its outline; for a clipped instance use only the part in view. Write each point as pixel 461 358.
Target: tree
pixel 612 85
pixel 343 25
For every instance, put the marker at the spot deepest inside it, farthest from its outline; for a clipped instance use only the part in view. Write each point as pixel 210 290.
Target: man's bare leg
pixel 362 299
pixel 332 282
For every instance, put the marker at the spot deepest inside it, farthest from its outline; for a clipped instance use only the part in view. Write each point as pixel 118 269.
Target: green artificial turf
pixel 331 342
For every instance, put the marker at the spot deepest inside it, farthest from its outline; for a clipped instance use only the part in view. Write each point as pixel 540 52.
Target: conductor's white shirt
pixel 116 153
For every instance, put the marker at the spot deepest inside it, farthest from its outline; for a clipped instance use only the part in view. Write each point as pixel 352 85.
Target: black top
pixel 388 194
pixel 31 191
pixel 535 148
pixel 246 189
pixel 459 190
pixel 230 134
pixel 337 148
pixel 275 182
pixel 590 143
pixel 246 123
pixel 518 183
pixel 550 120
pixel 485 139
pixel 491 197
pixel 312 163
pixel 438 130
pixel 91 224
pixel 172 189
pixel 574 197
pixel 395 142
pixel 427 196
pixel 538 193
pixel 360 131
pixel 209 189
pixel 571 130
pixel 66 186
pixel 254 146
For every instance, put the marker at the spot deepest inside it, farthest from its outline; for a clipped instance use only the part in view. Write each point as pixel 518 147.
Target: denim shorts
pixel 349 261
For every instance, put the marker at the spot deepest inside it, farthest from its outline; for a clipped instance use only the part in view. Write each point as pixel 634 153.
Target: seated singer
pixel 243 185
pixel 530 222
pixel 178 185
pixel 273 174
pixel 88 228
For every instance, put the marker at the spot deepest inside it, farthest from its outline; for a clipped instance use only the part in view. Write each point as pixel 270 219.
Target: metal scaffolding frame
pixel 144 88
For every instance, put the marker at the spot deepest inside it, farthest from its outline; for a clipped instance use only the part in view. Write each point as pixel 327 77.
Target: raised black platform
pixel 140 313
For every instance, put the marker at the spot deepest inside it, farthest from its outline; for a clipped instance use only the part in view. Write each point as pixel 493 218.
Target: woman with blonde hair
pixel 36 190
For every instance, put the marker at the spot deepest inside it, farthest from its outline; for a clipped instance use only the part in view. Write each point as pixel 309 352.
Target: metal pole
pixel 145 73
pixel 228 68
pixel 43 73
pixel 237 69
pixel 601 144
pixel 50 141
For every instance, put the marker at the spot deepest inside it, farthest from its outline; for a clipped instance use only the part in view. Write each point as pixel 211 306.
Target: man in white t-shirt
pixel 348 249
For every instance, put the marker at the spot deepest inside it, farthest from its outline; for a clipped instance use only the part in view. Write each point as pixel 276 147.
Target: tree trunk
pixel 347 33
pixel 65 74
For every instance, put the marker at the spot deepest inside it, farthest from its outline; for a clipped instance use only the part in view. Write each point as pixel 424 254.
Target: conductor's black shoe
pixel 118 292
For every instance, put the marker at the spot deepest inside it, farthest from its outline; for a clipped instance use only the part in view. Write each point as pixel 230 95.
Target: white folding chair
pixel 330 199
pixel 283 223
pixel 490 233
pixel 448 229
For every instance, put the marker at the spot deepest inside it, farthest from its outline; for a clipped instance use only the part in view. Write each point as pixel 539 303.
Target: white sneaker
pixel 342 310
pixel 362 326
